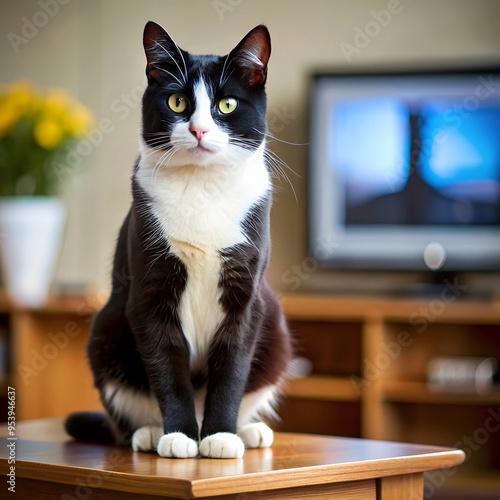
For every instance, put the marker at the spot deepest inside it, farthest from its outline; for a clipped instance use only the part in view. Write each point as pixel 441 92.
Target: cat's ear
pixel 251 56
pixel 160 49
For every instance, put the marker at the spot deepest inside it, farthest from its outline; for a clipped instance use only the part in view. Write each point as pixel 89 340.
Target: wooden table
pixel 48 465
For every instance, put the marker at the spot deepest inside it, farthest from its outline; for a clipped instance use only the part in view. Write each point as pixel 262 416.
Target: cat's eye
pixel 227 105
pixel 177 102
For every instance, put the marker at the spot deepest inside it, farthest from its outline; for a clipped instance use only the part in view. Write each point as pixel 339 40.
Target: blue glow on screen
pixel 465 149
pixel 370 141
pixel 459 160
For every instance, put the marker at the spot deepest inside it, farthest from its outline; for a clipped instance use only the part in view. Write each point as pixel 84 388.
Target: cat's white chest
pixel 200 312
pixel 204 207
pixel 200 211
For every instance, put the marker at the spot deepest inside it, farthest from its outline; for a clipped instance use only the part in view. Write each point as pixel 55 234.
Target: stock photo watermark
pixel 32 25
pixel 86 484
pixel 56 343
pixel 297 274
pixel 224 7
pixel 11 439
pixel 470 444
pixel 379 21
pixel 280 118
pixel 420 320
pixel 120 108
pixel 450 292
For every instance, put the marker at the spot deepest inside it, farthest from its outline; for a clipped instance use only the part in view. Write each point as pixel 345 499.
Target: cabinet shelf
pixel 475 484
pixel 363 309
pixel 387 345
pixel 47 360
pixel 78 305
pixel 396 391
pixel 323 388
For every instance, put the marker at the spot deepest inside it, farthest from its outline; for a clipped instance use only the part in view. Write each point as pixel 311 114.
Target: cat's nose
pixel 198 132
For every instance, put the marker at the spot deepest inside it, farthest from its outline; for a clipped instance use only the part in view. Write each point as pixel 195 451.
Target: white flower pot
pixel 31 230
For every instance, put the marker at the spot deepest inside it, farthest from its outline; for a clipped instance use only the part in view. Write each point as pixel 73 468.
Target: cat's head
pixel 204 110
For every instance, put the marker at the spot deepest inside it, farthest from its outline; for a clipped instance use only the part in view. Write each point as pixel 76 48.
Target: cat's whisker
pixel 158 140
pixel 171 74
pixel 159 163
pixel 183 74
pixel 163 161
pixel 155 150
pixel 273 137
pixel 157 144
pixel 226 78
pixel 222 80
pixel 277 166
pixel 274 156
pixel 245 143
pixel 158 135
pixel 162 133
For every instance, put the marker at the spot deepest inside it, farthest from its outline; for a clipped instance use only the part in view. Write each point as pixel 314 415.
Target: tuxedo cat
pixel 192 350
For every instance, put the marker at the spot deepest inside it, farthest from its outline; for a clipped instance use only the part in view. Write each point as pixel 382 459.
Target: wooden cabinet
pixel 47 364
pixel 369 378
pixel 369 363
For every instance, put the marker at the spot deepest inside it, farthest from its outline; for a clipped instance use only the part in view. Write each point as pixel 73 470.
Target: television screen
pixel 403 161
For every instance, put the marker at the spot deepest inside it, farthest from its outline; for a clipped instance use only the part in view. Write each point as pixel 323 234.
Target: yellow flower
pixel 56 104
pixel 48 133
pixel 15 103
pixel 78 119
pixel 21 96
pixel 55 115
pixel 9 116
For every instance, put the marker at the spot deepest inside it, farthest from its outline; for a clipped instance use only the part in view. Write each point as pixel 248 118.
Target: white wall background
pixel 93 48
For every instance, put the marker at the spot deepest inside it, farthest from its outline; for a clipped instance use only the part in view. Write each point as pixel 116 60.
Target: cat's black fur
pixel 137 339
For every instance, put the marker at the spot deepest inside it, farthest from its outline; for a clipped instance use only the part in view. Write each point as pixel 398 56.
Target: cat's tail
pixel 90 426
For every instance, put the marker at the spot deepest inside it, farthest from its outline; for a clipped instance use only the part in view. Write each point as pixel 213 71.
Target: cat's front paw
pixel 146 438
pixel 222 445
pixel 256 435
pixel 177 445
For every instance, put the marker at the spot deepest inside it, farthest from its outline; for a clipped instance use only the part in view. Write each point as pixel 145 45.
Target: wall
pixel 93 48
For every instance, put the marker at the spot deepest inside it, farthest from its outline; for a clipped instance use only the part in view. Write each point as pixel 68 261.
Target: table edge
pixel 250 481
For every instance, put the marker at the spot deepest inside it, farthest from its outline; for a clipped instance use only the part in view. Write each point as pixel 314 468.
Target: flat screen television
pixel 404 170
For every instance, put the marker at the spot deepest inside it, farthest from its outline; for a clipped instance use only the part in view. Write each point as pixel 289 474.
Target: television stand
pixel 434 284
pixel 369 358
